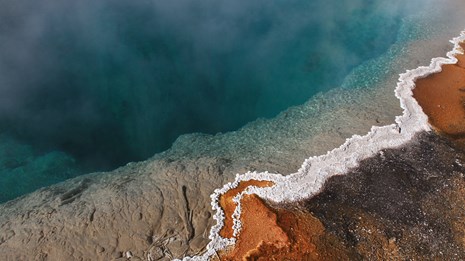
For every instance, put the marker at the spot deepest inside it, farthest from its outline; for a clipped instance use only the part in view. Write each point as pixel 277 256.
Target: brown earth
pixel 228 206
pixel 442 97
pixel 259 228
pixel 277 233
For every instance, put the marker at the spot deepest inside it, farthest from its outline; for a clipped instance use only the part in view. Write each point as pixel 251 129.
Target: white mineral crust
pixel 309 179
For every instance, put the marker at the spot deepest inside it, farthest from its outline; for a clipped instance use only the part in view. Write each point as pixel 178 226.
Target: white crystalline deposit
pixel 310 178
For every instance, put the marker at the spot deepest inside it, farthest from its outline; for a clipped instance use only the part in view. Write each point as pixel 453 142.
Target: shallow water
pixel 91 86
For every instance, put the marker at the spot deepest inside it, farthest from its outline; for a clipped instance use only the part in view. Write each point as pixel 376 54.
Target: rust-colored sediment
pixel 281 234
pixel 228 206
pixel 259 228
pixel 442 97
pixel 308 240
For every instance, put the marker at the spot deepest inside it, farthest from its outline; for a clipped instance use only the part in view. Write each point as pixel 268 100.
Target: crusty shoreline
pixel 309 180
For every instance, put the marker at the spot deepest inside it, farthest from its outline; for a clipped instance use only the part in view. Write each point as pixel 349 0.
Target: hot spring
pixel 92 85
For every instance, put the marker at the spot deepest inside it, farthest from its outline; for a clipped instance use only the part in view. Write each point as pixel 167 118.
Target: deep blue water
pixel 91 85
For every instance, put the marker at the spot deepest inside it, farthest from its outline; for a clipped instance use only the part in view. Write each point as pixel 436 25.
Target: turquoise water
pixel 88 86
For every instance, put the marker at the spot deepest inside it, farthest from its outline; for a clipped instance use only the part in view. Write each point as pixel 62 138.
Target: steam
pixel 116 81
